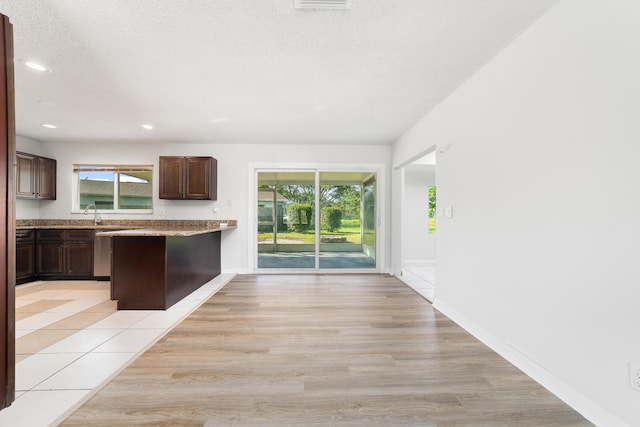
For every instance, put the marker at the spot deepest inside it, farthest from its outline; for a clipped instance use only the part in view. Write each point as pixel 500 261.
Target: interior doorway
pixel 419 225
pixel 316 220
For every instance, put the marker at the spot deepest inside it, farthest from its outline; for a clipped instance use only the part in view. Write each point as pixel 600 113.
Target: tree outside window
pixel 432 210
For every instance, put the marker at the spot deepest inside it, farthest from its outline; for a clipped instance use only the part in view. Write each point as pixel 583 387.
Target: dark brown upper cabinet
pixel 35 177
pixel 188 178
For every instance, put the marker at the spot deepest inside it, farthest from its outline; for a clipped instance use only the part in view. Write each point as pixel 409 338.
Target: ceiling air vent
pixel 322 4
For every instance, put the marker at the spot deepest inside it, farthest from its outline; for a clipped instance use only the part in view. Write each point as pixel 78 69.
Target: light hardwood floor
pixel 294 350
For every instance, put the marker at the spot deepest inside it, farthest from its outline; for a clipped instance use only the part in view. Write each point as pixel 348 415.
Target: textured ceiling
pixel 248 71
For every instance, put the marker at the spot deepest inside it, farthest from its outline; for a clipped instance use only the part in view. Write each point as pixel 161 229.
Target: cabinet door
pixel 46 188
pixel 197 178
pixel 25 260
pixel 35 177
pixel 200 178
pixel 25 176
pixel 79 258
pixel 25 255
pixel 50 258
pixel 171 177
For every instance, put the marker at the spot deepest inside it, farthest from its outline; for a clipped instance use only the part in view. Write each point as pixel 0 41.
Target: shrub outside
pixel 299 216
pixel 331 218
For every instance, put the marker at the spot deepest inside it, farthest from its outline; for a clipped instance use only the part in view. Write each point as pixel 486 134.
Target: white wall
pixel 233 185
pixel 417 243
pixel 540 259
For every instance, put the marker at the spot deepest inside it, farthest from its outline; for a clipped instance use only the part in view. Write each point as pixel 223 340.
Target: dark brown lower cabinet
pixel 50 258
pixel 64 254
pixel 155 272
pixel 79 258
pixel 25 256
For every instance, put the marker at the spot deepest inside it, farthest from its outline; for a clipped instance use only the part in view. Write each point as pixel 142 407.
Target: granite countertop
pixel 71 227
pixel 127 227
pixel 161 232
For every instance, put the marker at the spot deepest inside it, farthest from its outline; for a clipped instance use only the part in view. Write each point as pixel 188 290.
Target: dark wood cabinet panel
pixel 50 234
pixel 82 235
pixel 138 272
pixel 155 272
pixel 64 254
pixel 198 178
pixel 25 256
pixel 171 177
pixel 50 258
pixel 188 178
pixel 35 177
pixel 46 178
pixel 79 258
pixel 25 176
pixel 25 262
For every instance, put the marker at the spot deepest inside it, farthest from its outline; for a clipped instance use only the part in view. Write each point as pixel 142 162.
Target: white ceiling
pixel 248 71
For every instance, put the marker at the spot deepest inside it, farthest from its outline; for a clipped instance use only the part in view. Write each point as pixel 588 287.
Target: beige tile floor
pixel 421 276
pixel 71 340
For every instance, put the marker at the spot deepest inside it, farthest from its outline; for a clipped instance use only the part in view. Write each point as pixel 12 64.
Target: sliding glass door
pixel 369 217
pixel 286 226
pixel 315 220
pixel 341 221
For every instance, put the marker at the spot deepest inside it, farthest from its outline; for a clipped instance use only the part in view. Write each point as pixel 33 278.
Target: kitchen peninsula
pixel 154 268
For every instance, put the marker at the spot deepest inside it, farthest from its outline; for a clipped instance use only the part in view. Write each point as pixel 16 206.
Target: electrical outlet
pixel 634 376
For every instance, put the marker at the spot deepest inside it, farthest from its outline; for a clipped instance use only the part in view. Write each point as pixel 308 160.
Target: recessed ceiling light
pixel 46 103
pixel 33 65
pixel 220 120
pixel 147 126
pixel 318 107
pixel 49 126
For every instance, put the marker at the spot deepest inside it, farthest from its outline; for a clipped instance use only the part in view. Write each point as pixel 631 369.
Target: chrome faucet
pixel 97 219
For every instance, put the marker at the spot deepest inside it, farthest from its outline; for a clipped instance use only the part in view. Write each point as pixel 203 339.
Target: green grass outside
pixel 432 226
pixel 350 229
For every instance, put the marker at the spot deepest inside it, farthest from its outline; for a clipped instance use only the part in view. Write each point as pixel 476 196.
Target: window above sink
pixel 113 188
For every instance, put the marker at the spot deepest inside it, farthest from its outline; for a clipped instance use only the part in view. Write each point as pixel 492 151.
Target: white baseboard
pixel 583 405
pixel 235 271
pixel 280 271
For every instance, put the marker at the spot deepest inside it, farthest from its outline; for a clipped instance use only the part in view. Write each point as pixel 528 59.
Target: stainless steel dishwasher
pixel 102 257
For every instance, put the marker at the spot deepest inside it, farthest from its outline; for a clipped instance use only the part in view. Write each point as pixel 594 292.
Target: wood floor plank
pixel 311 350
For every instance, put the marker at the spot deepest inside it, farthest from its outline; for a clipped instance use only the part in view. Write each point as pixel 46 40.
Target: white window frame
pixel 111 168
pixel 377 168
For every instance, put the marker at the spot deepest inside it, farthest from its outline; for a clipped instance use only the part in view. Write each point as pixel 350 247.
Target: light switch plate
pixel 634 376
pixel 448 212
